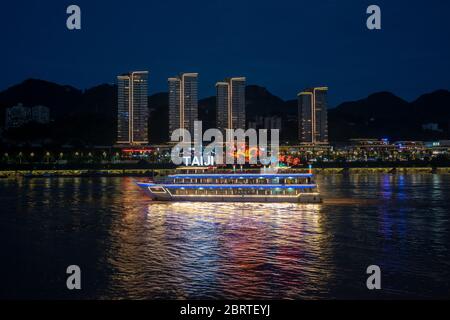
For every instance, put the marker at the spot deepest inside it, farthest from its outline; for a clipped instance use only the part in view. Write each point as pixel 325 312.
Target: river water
pixel 130 248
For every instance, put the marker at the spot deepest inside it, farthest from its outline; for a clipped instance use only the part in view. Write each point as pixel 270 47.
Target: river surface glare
pixel 131 248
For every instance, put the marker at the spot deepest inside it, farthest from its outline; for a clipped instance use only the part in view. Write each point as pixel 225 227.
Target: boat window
pixel 157 190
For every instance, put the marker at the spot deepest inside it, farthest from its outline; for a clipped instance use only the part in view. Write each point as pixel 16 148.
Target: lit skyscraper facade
pixel 231 104
pixel 183 102
pixel 132 120
pixel 312 112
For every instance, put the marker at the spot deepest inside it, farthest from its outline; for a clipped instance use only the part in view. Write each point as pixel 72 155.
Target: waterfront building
pixel 431 127
pixel 132 120
pixel 17 116
pixel 230 99
pixel 312 116
pixel 40 114
pixel 437 144
pixel 183 102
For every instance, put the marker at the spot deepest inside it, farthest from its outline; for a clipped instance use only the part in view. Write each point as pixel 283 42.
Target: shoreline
pixel 157 172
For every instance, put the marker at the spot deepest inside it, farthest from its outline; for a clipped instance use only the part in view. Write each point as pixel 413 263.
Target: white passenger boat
pixel 204 185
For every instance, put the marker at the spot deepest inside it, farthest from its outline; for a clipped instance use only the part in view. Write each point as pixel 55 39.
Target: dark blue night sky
pixel 282 45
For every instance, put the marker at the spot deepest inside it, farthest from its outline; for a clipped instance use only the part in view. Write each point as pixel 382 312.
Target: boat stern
pixel 310 198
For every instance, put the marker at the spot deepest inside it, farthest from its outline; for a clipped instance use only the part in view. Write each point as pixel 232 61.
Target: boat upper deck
pixel 238 178
pixel 241 175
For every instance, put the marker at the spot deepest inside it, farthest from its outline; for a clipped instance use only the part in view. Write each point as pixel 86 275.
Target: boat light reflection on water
pixel 215 250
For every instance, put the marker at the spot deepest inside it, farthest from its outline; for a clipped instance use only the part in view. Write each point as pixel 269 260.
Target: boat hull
pixel 302 198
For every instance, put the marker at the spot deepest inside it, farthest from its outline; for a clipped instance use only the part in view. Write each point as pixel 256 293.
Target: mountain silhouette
pixel 386 115
pixel 89 116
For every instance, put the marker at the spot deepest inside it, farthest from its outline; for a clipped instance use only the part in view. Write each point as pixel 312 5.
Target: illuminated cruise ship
pixel 202 185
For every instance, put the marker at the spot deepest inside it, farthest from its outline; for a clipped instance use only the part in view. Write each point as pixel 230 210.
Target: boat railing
pixel 168 181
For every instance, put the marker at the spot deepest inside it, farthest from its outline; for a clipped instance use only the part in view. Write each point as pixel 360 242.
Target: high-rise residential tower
pixel 231 104
pixel 183 102
pixel 132 121
pixel 312 112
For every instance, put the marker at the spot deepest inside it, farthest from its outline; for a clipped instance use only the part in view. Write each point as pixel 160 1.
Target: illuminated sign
pixel 199 161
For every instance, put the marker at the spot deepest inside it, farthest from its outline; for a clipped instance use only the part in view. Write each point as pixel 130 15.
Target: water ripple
pixel 130 247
